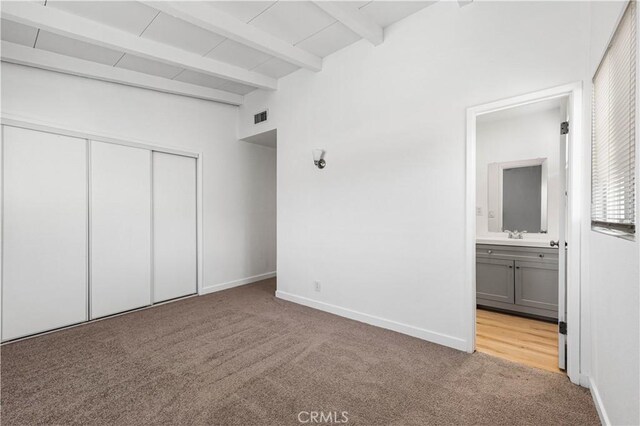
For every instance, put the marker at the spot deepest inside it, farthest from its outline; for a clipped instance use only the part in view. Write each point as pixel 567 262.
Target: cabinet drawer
pixel 536 254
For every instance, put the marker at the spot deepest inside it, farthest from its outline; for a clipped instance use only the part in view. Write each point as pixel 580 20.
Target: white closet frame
pixel 30 124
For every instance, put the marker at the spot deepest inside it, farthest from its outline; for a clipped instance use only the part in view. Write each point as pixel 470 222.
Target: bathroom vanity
pixel 518 278
pixel 516 267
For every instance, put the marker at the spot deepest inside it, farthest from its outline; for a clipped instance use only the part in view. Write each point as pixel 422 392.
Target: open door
pixel 562 244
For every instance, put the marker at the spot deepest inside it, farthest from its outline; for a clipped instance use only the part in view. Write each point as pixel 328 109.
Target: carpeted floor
pixel 243 357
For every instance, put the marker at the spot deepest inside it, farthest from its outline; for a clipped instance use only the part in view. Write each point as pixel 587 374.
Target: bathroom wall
pixel 522 133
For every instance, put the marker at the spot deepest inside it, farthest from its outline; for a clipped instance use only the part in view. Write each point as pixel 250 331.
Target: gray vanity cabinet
pixel 518 279
pixel 494 280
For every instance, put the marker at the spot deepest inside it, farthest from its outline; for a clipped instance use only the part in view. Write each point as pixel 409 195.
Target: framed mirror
pixel 517 192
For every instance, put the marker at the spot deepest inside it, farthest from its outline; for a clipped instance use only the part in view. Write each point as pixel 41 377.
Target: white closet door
pixel 120 228
pixel 45 232
pixel 174 225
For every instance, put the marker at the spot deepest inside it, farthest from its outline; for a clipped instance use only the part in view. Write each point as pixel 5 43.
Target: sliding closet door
pixel 174 225
pixel 44 242
pixel 120 228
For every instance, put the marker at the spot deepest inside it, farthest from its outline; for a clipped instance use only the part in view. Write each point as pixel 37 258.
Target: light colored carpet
pixel 243 357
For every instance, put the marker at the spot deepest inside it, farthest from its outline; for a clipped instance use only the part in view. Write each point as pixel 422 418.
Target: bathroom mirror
pixel 517 192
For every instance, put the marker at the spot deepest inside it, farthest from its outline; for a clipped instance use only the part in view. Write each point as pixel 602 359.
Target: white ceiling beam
pixel 23 55
pixel 219 22
pixel 78 28
pixel 354 20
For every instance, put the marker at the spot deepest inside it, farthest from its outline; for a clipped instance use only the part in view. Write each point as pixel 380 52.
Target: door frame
pixel 573 92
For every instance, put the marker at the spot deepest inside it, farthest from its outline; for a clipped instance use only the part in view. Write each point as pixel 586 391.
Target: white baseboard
pixel 420 333
pixel 597 400
pixel 236 283
pixel 585 381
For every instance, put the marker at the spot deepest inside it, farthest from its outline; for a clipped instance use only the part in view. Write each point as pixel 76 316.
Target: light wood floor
pixel 523 340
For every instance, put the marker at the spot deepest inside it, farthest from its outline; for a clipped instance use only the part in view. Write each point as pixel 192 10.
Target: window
pixel 613 132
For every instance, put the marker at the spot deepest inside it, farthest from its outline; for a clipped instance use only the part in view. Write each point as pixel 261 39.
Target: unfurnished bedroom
pixel 319 212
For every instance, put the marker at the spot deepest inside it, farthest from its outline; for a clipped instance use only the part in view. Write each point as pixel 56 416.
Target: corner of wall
pixel 420 333
pixel 236 283
pixel 597 400
pixel 255 102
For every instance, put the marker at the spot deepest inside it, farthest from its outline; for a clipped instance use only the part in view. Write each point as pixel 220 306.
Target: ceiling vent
pixel 260 117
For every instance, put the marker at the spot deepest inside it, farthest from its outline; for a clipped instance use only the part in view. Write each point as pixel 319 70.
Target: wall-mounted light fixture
pixel 317 158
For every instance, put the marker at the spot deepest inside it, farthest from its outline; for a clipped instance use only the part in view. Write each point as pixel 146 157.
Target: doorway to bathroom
pixel 523 287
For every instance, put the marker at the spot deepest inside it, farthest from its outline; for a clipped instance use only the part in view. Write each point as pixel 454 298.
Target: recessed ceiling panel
pixel 181 34
pixel 242 10
pixel 18 33
pixel 147 66
pixel 293 21
pixel 238 54
pixel 130 16
pixel 329 40
pixel 352 4
pixel 385 13
pixel 358 4
pixel 78 49
pixel 275 68
pixel 200 79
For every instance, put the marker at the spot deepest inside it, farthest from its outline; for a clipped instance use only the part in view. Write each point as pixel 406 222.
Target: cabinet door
pixel 494 280
pixel 537 285
pixel 120 228
pixel 174 226
pixel 44 244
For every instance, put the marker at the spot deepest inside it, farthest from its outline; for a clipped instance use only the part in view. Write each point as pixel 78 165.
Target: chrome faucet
pixel 515 235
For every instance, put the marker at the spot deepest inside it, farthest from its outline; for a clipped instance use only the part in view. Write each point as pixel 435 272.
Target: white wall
pixel 612 269
pixel 257 103
pixel 382 226
pixel 523 136
pixel 238 178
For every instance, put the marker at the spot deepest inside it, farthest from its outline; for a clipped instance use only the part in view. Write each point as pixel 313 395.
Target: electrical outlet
pixel 316 285
pixel 478 211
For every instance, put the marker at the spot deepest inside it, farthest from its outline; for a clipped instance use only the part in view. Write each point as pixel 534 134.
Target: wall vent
pixel 260 117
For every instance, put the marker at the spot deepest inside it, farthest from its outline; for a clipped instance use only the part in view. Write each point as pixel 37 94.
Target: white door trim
pixel 31 124
pixel 574 92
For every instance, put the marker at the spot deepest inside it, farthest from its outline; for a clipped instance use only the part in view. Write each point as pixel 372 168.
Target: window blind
pixel 613 131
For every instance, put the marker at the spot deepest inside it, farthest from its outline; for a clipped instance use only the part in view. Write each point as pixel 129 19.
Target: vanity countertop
pixel 527 241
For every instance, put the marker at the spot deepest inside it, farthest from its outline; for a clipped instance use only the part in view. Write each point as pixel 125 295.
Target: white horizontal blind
pixel 613 131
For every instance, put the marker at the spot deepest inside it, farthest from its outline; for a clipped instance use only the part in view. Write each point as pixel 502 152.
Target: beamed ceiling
pixel 215 50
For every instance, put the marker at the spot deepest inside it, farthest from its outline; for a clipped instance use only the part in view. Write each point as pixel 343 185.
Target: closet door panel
pixel 45 206
pixel 174 224
pixel 120 228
